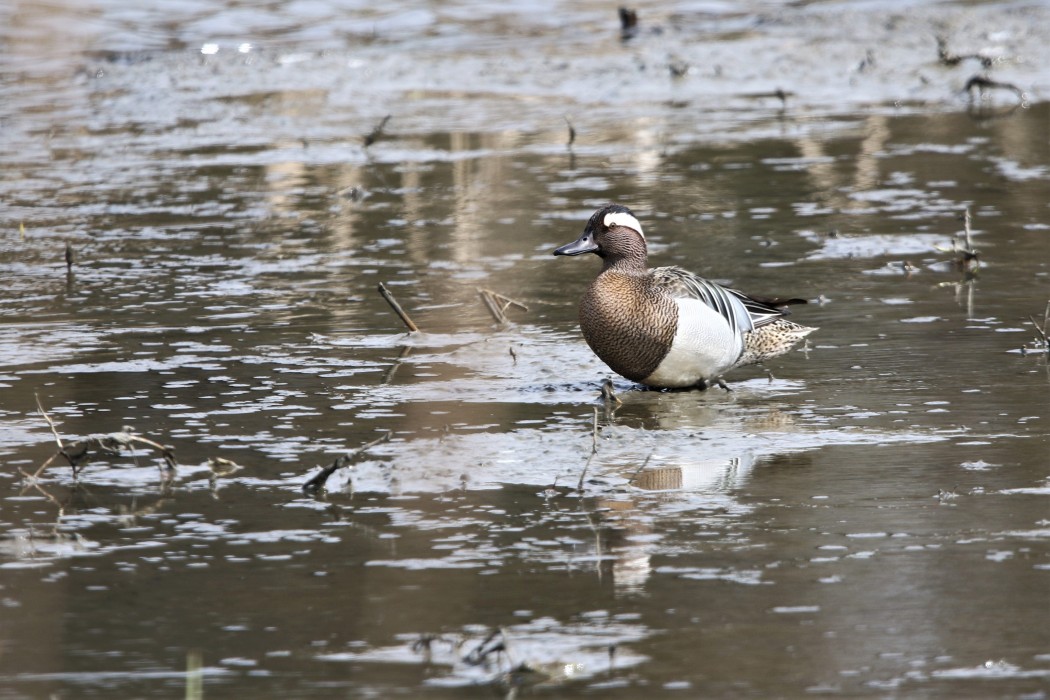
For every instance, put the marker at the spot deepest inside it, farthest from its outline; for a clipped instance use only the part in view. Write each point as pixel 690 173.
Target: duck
pixel 666 327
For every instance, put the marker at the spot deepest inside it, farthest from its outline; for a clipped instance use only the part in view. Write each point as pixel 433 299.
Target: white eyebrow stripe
pixel 620 218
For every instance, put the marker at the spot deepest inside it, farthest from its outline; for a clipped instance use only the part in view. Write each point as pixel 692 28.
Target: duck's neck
pixel 628 256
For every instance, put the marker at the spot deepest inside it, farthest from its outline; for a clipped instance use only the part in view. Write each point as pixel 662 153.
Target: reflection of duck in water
pixel 707 486
pixel 665 326
pixel 705 476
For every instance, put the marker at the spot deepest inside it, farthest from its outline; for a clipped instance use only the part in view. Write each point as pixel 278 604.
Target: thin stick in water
pixel 317 482
pixel 50 423
pixel 594 451
pixel 1044 331
pixel 374 135
pixel 640 469
pixel 497 304
pixel 594 433
pixel 490 304
pixel 397 308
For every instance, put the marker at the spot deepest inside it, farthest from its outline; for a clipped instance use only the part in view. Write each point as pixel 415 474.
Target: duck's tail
pixel 772 340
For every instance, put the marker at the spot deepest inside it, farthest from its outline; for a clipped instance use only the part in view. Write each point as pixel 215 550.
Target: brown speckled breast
pixel 628 323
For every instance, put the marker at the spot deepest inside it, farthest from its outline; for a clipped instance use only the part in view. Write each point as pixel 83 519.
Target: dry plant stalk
pixel 397 308
pixel 373 136
pixel 1042 331
pixel 318 480
pixel 981 83
pixel 109 443
pixel 594 451
pixel 970 256
pixel 640 469
pixel 497 304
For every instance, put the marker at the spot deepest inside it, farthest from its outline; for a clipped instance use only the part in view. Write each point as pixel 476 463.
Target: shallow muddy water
pixel 866 516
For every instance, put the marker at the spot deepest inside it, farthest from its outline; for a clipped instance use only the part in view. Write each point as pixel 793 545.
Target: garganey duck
pixel 666 327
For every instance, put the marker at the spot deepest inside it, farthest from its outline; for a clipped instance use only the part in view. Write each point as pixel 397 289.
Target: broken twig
pixel 948 58
pixel 220 468
pixel 374 135
pixel 316 483
pixel 50 423
pixel 1043 332
pixel 970 258
pixel 594 433
pixel 640 469
pixel 594 451
pixel 494 643
pixel 628 22
pixel 397 308
pixel 982 83
pixel 497 304
pixel 107 444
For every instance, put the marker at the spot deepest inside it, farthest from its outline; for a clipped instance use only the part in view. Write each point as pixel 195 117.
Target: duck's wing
pixel 682 284
pixel 765 310
pixel 744 312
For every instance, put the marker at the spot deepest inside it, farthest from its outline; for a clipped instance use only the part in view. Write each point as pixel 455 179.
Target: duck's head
pixel 612 231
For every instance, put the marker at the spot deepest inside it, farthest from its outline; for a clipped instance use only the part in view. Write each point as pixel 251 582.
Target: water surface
pixel 865 516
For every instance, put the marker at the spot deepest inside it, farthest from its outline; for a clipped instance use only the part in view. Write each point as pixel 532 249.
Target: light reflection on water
pixel 870 518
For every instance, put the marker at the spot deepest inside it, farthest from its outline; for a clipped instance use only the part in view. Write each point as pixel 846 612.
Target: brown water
pixel 870 519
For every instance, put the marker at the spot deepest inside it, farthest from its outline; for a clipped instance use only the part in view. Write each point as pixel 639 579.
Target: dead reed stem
pixel 317 481
pixel 497 304
pixel 109 443
pixel 1043 331
pixel 594 451
pixel 397 308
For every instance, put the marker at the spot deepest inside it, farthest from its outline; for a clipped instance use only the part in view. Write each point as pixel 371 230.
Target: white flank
pixel 621 218
pixel 704 347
